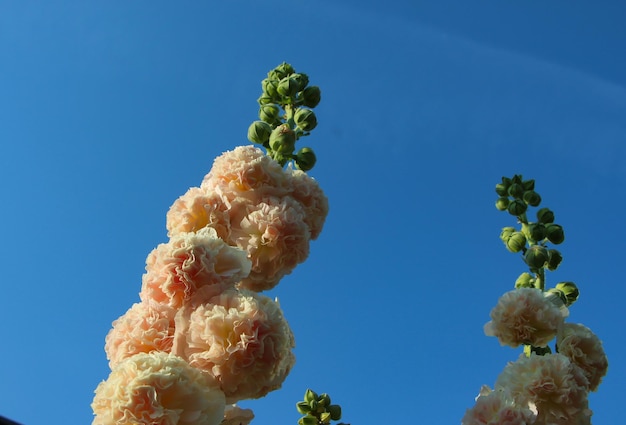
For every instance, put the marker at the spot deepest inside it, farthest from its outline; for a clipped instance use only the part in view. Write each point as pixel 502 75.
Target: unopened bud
pixel 525 280
pixel 516 190
pixel 311 96
pixel 305 159
pixel 287 87
pixel 301 79
pixel 502 189
pixel 516 242
pixel 305 119
pixel 555 234
pixel 555 259
pixel 536 256
pixel 269 86
pixel 545 216
pixel 532 198
pixel 537 231
pixel 517 207
pixel 570 290
pixel 502 203
pixel 506 233
pixel 282 139
pixel 259 132
pixel 269 113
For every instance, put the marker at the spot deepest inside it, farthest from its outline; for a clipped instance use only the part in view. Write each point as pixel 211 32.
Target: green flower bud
pixel 536 256
pixel 325 418
pixel 545 215
pixel 282 139
pixel 532 198
pixel 335 412
pixel 502 203
pixel 259 132
pixel 308 420
pixel 517 207
pixel 502 190
pixel 540 351
pixel 269 87
pixel 305 159
pixel 311 96
pixel 281 71
pixel 555 259
pixel 313 404
pixel 537 231
pixel 269 113
pixel 265 99
pixel 516 242
pixel 303 407
pixel 287 87
pixel 555 233
pixel 324 400
pixel 506 233
pixel 516 190
pixel 525 280
pixel 309 393
pixel 570 290
pixel 529 184
pixel 305 119
pixel 301 79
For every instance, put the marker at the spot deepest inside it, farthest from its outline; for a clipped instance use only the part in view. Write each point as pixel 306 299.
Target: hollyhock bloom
pixel 550 383
pixel 239 337
pixel 584 349
pixel 310 195
pixel 276 239
pixel 144 328
pixel 525 316
pixel 248 172
pixel 198 209
pixel 157 389
pixel 175 270
pixel 497 408
pixel 234 415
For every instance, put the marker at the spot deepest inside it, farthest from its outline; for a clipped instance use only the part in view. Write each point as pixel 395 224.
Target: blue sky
pixel 110 110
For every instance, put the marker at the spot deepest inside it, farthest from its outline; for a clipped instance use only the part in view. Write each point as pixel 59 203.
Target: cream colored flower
pixel 239 337
pixel 144 328
pixel 584 349
pixel 234 415
pixel 157 389
pixel 313 200
pixel 524 316
pixel 552 384
pixel 497 408
pixel 248 172
pixel 275 238
pixel 175 270
pixel 198 209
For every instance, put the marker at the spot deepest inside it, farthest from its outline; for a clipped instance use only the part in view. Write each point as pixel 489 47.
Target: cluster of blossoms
pixel 542 387
pixel 202 337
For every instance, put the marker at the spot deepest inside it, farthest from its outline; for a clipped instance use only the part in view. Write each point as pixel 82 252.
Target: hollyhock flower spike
pixel 584 349
pixel 525 316
pixel 189 261
pixel 239 337
pixel 157 389
pixel 144 328
pixel 551 383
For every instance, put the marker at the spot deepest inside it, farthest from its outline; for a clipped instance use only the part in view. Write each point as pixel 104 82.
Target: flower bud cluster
pixel 286 90
pixel 317 409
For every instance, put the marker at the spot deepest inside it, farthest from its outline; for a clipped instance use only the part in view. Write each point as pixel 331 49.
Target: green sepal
pixel 502 189
pixel 529 184
pixel 324 400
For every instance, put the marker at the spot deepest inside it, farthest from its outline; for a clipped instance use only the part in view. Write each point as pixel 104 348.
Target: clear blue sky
pixel 110 110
